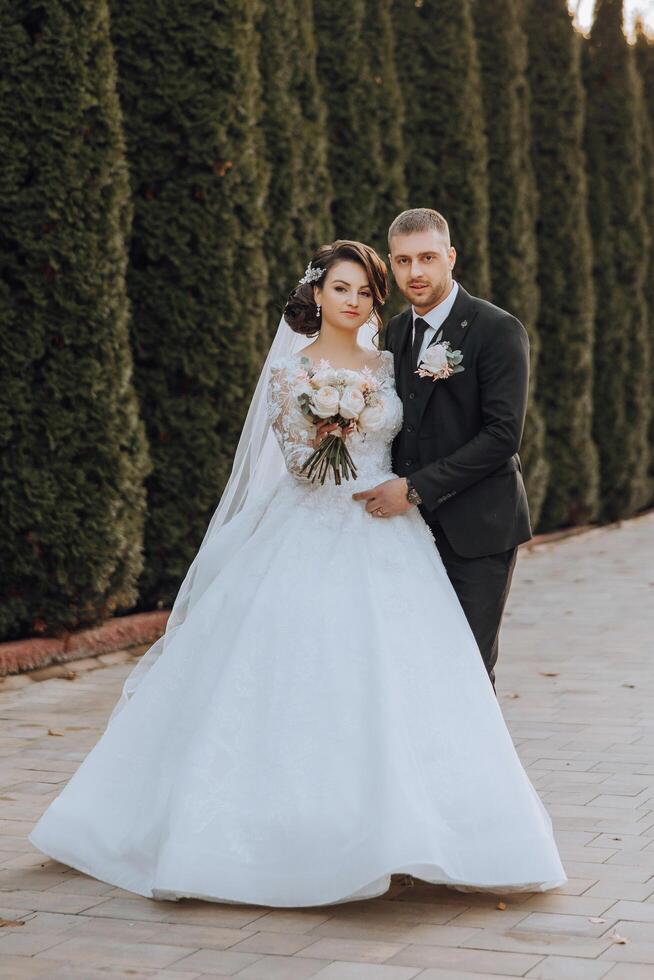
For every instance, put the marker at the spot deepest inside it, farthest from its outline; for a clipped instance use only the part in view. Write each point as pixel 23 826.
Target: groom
pixel 457 452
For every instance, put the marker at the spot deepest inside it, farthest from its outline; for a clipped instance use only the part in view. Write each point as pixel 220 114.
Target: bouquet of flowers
pixel 345 398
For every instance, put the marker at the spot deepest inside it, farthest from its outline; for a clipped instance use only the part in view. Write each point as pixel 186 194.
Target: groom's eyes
pixel 425 258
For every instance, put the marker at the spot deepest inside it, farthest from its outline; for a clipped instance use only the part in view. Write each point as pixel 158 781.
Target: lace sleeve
pixel 293 430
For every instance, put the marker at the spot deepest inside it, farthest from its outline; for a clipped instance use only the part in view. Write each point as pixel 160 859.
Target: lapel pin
pixel 464 323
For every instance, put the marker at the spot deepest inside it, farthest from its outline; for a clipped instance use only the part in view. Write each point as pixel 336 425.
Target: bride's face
pixel 345 296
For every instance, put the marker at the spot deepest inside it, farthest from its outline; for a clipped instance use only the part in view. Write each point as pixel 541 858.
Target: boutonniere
pixel 440 361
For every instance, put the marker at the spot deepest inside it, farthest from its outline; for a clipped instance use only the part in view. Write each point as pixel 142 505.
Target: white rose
pixel 352 403
pixel 323 378
pixel 302 388
pixel 325 402
pixel 371 418
pixel 350 378
pixel 435 359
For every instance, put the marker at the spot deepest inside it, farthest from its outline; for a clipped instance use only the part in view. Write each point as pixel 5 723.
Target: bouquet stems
pixel 332 453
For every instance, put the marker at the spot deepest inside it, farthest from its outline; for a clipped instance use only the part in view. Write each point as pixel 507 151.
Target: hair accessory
pixel 311 274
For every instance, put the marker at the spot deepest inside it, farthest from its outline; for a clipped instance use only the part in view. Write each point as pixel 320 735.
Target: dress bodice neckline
pixel 328 363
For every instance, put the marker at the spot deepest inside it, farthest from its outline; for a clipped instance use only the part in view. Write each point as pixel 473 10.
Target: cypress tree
pixel 364 114
pixel 502 46
pixel 73 455
pixel 567 309
pixel 645 62
pixel 190 87
pixel 644 49
pixel 385 110
pixel 621 354
pixel 354 150
pixel 444 136
pixel 299 197
pixel 316 225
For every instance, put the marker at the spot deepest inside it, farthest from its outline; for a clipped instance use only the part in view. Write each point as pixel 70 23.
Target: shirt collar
pixel 439 314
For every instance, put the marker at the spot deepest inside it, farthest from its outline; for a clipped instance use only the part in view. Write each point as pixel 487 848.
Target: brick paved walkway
pixel 576 682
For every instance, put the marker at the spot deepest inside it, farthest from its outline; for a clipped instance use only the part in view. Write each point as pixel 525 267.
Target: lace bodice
pixel 371 451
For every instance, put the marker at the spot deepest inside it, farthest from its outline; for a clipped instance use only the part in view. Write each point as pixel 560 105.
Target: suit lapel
pixel 453 329
pixel 460 316
pixel 403 333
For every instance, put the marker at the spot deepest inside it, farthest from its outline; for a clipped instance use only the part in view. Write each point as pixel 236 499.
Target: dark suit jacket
pixel 460 437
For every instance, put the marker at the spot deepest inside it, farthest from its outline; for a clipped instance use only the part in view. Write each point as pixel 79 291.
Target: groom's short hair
pixel 419 219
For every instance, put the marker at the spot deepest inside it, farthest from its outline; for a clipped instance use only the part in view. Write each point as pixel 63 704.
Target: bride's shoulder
pixel 386 363
pixel 288 362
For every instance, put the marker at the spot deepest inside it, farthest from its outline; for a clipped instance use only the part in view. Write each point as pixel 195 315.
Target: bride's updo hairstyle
pixel 301 311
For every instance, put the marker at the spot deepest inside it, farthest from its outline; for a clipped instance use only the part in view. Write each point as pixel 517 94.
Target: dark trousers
pixel 482 586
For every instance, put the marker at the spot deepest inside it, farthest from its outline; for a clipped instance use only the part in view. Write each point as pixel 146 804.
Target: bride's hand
pixel 325 428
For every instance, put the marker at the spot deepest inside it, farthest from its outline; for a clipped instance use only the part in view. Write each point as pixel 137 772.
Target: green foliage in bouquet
pixel 502 45
pixel 566 316
pixel 73 455
pixel 189 85
pixel 622 381
pixel 444 136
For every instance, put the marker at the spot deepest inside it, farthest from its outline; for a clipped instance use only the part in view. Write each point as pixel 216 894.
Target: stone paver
pixel 576 684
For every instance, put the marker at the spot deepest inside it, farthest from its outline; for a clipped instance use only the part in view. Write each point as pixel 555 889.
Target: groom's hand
pixel 390 497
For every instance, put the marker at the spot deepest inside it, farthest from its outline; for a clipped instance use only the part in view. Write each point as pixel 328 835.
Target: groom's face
pixel 422 264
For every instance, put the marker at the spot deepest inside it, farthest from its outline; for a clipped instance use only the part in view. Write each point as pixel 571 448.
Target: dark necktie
pixel 419 326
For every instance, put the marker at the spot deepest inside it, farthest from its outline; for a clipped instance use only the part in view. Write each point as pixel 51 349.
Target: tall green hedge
pixel 567 309
pixel 444 136
pixel 645 62
pixel 299 193
pixel 502 45
pixel 365 111
pixel 622 380
pixel 72 450
pixel 386 111
pixel 344 77
pixel 190 88
pixel 315 224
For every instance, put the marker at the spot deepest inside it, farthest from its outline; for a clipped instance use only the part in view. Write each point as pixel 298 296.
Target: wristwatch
pixel 412 494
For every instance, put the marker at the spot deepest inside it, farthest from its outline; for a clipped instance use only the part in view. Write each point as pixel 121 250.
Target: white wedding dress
pixel 320 721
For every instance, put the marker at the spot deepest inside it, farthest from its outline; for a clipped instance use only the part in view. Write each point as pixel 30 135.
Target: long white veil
pixel 258 466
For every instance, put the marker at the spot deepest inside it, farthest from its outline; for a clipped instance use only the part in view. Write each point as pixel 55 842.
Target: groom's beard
pixel 427 298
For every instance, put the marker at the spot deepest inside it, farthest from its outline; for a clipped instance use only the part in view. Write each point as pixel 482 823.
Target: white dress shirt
pixel 435 318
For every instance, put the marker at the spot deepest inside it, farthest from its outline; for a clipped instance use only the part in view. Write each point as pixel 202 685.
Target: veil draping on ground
pixel 258 466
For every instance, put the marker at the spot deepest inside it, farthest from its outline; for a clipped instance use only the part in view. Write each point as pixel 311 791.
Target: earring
pixel 317 311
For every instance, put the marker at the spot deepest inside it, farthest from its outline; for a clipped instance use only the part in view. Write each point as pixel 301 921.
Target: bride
pixel 317 715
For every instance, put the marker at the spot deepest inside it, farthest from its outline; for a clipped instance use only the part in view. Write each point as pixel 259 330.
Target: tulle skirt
pixel 320 721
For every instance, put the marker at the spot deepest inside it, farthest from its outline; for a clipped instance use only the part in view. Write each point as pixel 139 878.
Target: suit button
pixel 409 428
pixel 412 394
pixel 407 462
